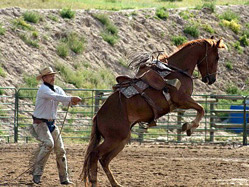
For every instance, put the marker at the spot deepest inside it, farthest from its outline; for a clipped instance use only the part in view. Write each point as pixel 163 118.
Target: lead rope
pixel 51 149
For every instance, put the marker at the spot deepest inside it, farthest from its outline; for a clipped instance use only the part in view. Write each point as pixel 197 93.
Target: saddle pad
pixel 130 91
pixel 164 73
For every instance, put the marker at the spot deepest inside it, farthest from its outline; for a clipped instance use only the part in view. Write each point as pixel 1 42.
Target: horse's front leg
pixel 189 103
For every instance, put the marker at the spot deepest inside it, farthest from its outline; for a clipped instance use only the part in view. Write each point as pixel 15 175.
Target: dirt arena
pixel 139 165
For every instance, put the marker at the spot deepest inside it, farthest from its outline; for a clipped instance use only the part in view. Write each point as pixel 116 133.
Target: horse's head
pixel 208 62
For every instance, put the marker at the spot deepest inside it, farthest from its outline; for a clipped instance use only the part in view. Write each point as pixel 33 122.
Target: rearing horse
pixel 116 117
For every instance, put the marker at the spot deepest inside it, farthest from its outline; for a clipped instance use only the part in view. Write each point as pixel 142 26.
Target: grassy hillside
pixel 113 4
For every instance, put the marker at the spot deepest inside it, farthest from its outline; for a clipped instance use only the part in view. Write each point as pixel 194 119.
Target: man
pixel 44 128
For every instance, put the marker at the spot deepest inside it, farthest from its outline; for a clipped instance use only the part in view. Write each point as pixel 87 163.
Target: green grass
pixel 67 13
pixel 2 71
pixel 192 30
pixel 229 15
pixel 82 77
pixel 110 4
pixel 162 13
pixel 2 29
pixel 178 40
pixel 110 31
pixel 72 41
pixel 32 17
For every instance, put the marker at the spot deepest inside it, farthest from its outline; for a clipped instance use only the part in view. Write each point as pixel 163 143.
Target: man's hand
pixel 75 100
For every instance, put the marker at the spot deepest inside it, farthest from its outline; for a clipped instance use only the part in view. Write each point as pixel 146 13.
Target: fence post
pixel 245 123
pixel 179 121
pixel 16 116
pixel 211 122
pixel 97 98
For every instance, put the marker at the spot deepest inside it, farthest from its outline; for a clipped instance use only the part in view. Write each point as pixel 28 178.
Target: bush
pixel 29 40
pixel 208 28
pixel 2 72
pixel 178 40
pixel 161 13
pixel 75 43
pixel 2 30
pixel 62 50
pixel 109 38
pixel 238 47
pixel 233 25
pixel 210 6
pixel 110 32
pixel 102 18
pixel 231 89
pixel 30 81
pixel 229 65
pixel 22 24
pixel 67 13
pixel 192 30
pixel 244 40
pixel 32 17
pixel 229 15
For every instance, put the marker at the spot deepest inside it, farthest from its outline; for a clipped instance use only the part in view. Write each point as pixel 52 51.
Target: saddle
pixel 132 86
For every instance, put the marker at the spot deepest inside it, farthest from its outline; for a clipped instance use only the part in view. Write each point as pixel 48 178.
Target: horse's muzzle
pixel 209 79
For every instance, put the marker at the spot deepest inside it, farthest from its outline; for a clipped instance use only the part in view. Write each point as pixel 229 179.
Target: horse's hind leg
pixel 101 150
pixel 106 159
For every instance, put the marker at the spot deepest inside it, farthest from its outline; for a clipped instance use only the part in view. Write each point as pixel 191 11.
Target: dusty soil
pixel 139 165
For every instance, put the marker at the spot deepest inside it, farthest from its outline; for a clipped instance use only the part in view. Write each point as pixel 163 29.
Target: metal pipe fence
pixel 225 120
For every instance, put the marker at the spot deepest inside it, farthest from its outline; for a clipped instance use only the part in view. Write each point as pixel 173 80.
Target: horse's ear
pixel 221 44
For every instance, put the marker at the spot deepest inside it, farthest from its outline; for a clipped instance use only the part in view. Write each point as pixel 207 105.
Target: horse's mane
pixel 211 42
pixel 140 58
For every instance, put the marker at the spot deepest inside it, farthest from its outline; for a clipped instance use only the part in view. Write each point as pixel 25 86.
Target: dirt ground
pixel 139 165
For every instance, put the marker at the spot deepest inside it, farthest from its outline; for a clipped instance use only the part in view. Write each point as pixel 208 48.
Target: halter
pixel 202 60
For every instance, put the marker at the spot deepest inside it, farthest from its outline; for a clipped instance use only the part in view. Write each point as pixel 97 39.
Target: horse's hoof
pixel 189 132
pixel 185 126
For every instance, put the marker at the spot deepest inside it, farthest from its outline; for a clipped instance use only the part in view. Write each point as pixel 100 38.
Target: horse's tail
pixel 94 142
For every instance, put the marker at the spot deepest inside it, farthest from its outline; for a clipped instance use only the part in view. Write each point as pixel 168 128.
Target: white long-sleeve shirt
pixel 47 102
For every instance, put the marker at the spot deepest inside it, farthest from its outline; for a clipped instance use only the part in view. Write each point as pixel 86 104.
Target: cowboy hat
pixel 45 71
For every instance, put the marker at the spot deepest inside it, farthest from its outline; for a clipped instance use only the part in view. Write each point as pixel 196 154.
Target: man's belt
pixel 41 120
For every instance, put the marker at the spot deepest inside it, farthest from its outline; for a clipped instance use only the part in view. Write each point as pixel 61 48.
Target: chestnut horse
pixel 113 122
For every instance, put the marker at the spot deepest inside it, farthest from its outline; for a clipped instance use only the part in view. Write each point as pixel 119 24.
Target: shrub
pixel 210 6
pixel 30 81
pixel 110 32
pixel 229 65
pixel 102 18
pixel 178 40
pixel 208 28
pixel 233 25
pixel 2 30
pixel 161 13
pixel 32 17
pixel 52 17
pixel 2 72
pixel 229 15
pixel 231 89
pixel 29 40
pixel 67 13
pixel 192 30
pixel 109 38
pixel 244 40
pixel 62 50
pixel 238 47
pixel 186 14
pixel 84 78
pixel 75 43
pixel 112 29
pixel 22 24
